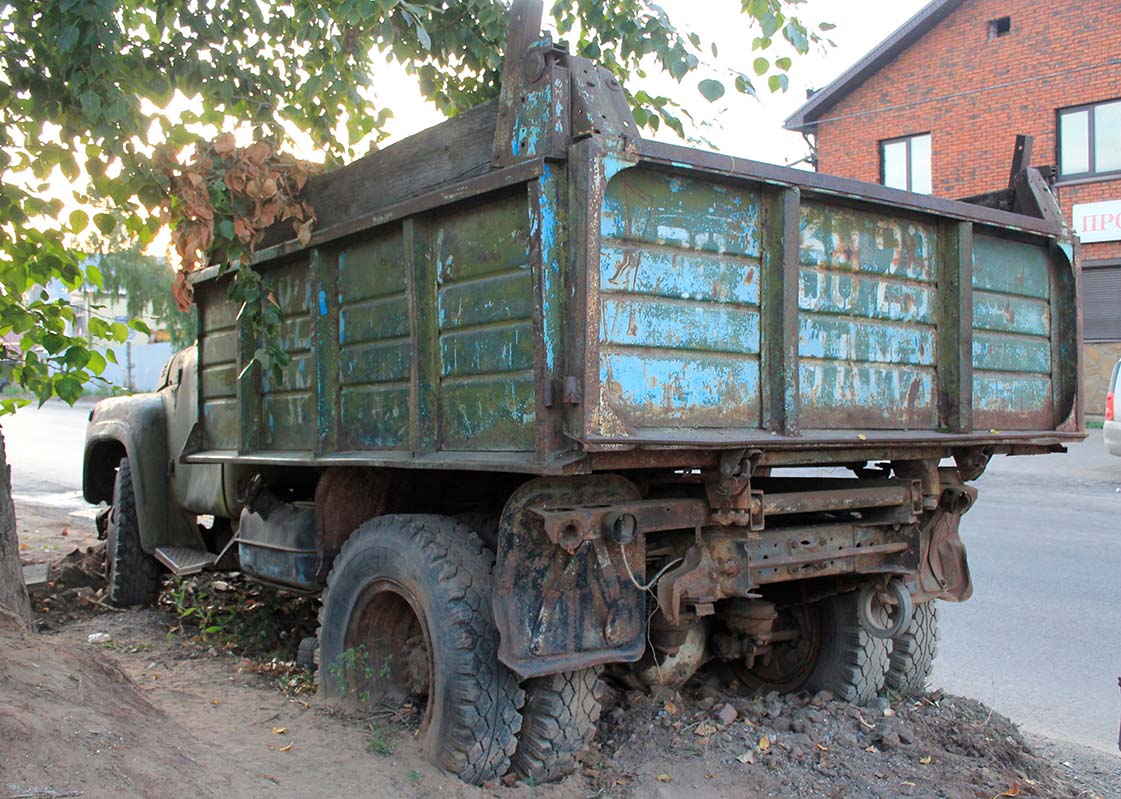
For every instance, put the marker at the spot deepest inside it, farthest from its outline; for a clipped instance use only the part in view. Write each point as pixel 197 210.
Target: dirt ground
pixel 155 705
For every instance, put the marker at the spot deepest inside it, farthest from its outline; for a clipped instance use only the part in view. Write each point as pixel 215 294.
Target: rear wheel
pixel 407 617
pixel 913 652
pixel 132 574
pixel 560 717
pixel 829 651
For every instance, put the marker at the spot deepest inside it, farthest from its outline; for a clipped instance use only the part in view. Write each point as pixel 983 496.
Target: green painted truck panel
pixel 607 299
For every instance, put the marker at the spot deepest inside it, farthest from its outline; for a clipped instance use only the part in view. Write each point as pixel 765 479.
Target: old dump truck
pixel 553 394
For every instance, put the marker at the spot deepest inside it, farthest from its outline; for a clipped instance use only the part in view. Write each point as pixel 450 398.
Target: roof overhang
pixel 805 118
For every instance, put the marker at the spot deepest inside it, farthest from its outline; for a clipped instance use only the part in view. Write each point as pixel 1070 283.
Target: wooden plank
pixel 35 576
pixel 453 150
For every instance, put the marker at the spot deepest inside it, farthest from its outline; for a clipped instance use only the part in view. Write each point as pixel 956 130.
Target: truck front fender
pixel 136 427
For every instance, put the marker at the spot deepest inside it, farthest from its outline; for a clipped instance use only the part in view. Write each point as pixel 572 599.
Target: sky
pixel 736 124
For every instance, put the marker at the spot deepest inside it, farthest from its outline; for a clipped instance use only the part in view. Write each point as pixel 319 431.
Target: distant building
pixel 140 359
pixel 937 106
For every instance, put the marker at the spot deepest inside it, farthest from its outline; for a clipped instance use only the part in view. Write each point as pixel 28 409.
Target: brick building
pixel 937 106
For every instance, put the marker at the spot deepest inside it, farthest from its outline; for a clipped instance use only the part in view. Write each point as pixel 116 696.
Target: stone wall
pixel 1098 358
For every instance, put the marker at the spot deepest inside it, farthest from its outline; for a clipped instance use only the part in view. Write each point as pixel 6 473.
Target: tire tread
pixel 560 716
pixel 133 574
pixel 482 733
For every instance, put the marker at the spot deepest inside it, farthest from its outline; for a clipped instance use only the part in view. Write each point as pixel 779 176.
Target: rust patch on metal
pixel 345 497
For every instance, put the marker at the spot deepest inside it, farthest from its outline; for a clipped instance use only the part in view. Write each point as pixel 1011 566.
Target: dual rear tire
pixel 832 652
pixel 406 619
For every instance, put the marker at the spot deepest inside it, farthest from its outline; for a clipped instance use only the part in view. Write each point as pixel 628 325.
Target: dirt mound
pixel 75 586
pixel 74 723
pixel 213 660
pixel 704 740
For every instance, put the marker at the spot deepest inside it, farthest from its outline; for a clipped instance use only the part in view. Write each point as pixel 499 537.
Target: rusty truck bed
pixel 482 297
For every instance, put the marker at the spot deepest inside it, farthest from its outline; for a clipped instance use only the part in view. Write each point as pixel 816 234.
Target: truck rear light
pixel 1109 407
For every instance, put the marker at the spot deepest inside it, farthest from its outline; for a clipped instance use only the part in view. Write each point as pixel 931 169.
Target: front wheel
pixel 407 617
pixel 133 575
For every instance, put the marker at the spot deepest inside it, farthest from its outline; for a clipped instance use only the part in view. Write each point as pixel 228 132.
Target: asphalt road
pixel 1040 640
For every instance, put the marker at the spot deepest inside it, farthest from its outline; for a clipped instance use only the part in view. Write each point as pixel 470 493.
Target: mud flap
pixel 557 611
pixel 944 567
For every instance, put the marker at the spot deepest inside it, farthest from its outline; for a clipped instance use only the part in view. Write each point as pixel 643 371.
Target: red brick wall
pixel 974 94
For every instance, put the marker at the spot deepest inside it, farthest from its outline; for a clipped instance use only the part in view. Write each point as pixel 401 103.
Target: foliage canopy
pixel 88 92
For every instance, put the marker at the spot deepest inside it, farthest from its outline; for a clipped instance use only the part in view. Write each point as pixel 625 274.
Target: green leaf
pixel 761 66
pixel 78 221
pixel 711 90
pixel 105 222
pixel 68 388
pixel 744 85
pixel 77 356
pixel 826 26
pixel 93 276
pixel 96 364
pixel 67 38
pixel 783 63
pixel 91 102
pixel 139 326
pixel 778 83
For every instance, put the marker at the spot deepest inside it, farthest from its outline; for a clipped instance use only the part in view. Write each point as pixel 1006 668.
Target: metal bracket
pixel 570 526
pixel 729 491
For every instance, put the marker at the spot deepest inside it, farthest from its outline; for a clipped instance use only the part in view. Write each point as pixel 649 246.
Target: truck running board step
pixel 184 561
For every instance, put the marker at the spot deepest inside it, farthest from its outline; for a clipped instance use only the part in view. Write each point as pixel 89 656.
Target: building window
pixel 905 163
pixel 1000 27
pixel 1101 301
pixel 1090 140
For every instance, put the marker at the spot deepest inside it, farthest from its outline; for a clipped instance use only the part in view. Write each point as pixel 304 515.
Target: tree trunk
pixel 14 604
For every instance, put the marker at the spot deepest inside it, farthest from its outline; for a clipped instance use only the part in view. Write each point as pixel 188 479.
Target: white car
pixel 1111 429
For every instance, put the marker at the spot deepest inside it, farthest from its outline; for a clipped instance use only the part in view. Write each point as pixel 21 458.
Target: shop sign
pixel 1098 221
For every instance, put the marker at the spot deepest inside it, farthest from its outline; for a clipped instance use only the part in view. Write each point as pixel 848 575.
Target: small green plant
pixel 195 607
pixel 414 776
pixel 352 671
pixel 381 740
pixel 386 663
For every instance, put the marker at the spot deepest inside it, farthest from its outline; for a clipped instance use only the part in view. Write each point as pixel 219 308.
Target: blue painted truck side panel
pixel 678 304
pixel 463 329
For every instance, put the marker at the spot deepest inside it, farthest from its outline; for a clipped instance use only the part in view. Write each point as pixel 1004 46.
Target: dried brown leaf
pixel 258 152
pixel 225 144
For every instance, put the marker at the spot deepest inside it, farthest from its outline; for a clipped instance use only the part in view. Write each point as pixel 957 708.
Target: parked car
pixel 1111 430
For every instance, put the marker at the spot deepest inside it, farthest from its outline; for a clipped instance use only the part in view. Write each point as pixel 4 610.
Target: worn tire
pixel 558 723
pixel 913 653
pixel 485 526
pixel 834 654
pixel 852 665
pixel 471 716
pixel 132 574
pixel 307 653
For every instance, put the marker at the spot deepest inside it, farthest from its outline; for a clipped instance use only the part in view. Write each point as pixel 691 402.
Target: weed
pixel 381 740
pixel 351 670
pixel 414 776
